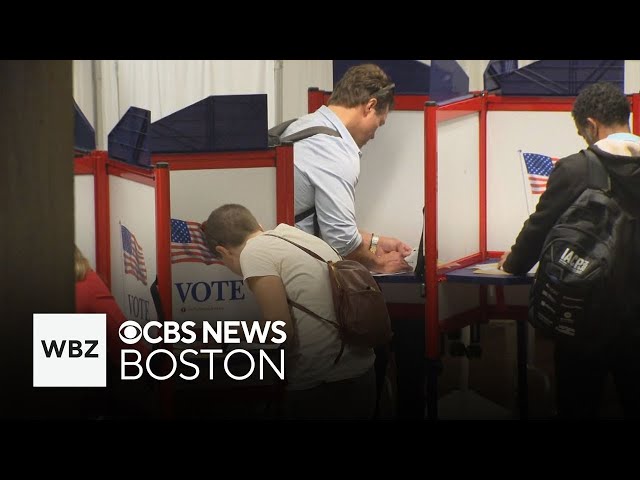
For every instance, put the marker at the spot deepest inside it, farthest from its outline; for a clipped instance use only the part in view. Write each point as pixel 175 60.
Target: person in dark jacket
pixel 601 114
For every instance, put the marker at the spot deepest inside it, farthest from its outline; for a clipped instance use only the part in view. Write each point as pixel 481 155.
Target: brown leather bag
pixel 361 311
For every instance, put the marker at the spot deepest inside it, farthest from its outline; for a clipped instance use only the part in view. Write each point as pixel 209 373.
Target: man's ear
pixel 261 227
pixel 221 250
pixel 370 106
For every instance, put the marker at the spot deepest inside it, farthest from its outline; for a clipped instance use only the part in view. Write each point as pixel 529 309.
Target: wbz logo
pixel 69 350
pixel 75 348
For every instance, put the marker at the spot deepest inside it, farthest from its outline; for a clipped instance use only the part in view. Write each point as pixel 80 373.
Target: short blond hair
pixel 81 264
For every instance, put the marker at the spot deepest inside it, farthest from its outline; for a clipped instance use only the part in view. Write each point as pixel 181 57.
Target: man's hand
pixel 392 262
pixel 389 244
pixel 503 258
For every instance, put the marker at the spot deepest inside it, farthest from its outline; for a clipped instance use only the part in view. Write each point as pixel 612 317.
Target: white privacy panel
pixel 390 190
pixel 133 247
pixel 213 292
pixel 509 197
pixel 631 76
pixel 85 216
pixel 458 187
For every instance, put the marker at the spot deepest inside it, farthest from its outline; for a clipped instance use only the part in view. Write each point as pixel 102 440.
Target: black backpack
pixel 276 139
pixel 582 281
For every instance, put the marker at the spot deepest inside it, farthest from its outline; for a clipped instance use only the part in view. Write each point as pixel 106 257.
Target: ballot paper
pixel 411 259
pixel 488 269
pixel 492 269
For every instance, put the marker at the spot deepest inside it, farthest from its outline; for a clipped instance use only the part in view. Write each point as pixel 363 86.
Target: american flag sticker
pixel 133 256
pixel 188 243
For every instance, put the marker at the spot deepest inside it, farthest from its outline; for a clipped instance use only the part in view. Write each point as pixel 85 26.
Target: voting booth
pixel 192 285
pixel 464 159
pixel 139 212
pixel 512 130
pixel 390 196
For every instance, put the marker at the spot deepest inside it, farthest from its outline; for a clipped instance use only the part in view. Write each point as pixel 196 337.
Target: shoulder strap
pixel 296 304
pixel 598 176
pixel 305 214
pixel 309 312
pixel 309 132
pixel 275 133
pixel 304 249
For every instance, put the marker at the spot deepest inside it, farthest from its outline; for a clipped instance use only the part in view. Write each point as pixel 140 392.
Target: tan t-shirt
pixel 312 351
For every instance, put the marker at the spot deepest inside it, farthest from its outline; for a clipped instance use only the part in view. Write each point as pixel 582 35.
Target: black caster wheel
pixel 474 351
pixel 457 349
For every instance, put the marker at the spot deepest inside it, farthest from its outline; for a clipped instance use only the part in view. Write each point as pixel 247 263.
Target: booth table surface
pixel 468 275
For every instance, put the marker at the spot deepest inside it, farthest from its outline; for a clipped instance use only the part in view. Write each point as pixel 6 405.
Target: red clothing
pixel 93 296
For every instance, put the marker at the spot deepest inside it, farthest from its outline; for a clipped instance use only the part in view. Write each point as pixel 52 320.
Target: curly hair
pixel 359 84
pixel 602 101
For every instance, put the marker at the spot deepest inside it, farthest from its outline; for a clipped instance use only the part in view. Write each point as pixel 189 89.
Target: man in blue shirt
pixel 326 169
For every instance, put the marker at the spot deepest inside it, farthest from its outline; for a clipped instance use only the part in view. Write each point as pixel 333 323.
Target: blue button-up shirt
pixel 326 171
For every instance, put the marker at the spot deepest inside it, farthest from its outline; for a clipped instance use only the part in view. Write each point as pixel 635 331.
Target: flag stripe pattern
pixel 133 256
pixel 188 243
pixel 538 168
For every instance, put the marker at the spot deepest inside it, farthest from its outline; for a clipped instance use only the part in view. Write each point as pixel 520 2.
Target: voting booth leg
pixel 380 366
pixel 434 368
pixel 408 349
pixel 523 387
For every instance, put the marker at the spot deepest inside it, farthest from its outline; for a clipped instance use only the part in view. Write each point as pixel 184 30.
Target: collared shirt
pixel 326 171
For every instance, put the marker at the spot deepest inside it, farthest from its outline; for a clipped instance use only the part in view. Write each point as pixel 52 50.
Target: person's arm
pixel 389 256
pixel 271 296
pixel 334 184
pixel 566 182
pixel 386 244
pixel 331 172
pixel 261 272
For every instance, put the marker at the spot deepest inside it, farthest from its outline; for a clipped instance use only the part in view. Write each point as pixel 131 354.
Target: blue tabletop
pixel 409 277
pixel 467 275
pixel 463 275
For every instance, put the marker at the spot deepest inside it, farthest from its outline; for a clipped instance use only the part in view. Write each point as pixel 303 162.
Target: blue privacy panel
pixel 552 77
pixel 129 139
pixel 443 79
pixel 216 123
pixel 84 135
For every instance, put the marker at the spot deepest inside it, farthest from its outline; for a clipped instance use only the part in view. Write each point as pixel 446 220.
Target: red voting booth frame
pixel 480 103
pixel 99 165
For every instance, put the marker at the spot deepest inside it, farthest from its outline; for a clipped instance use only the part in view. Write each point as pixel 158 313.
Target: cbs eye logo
pixel 130 332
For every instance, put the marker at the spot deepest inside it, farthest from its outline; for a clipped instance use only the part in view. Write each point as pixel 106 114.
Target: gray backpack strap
pixel 309 132
pixel 275 133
